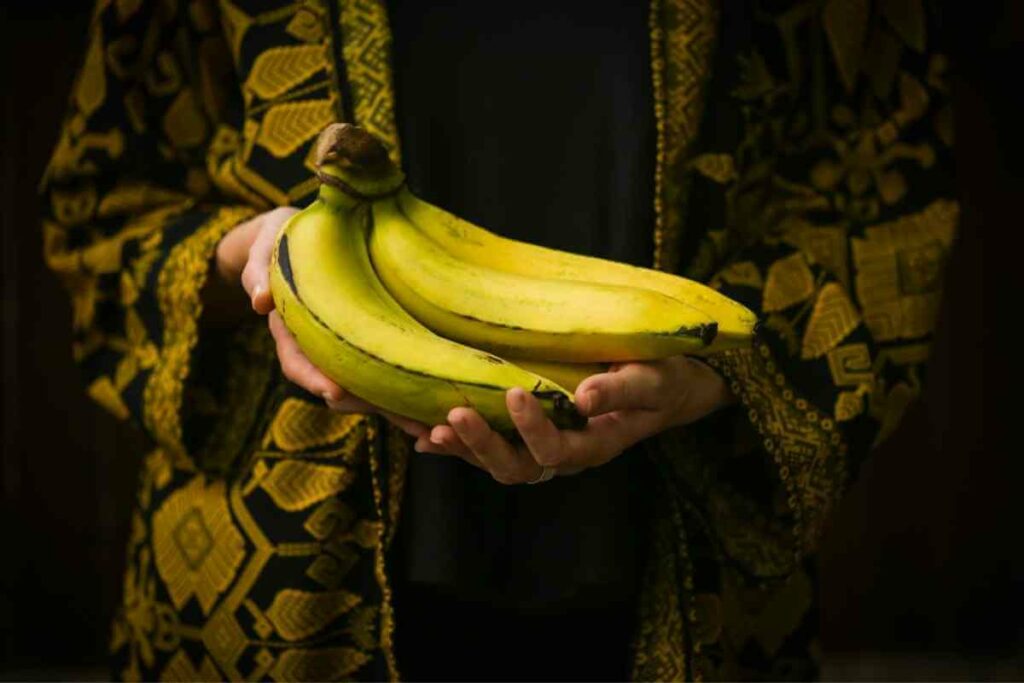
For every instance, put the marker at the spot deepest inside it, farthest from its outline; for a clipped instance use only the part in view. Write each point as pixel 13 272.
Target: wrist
pixel 712 391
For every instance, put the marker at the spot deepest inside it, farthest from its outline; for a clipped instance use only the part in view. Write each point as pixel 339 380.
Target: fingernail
pixel 418 447
pixel 436 439
pixel 256 291
pixel 516 399
pixel 588 400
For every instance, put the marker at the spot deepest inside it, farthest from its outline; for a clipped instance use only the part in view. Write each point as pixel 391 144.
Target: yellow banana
pixel 329 297
pixel 473 244
pixel 528 317
pixel 566 375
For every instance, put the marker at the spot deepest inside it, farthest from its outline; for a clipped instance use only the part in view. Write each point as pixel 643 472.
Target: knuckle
pixel 251 258
pixel 246 281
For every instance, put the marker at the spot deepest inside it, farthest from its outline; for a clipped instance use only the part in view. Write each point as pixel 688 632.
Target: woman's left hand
pixel 625 405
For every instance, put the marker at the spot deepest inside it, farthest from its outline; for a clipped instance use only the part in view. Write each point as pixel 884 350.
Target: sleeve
pixel 837 213
pixel 131 217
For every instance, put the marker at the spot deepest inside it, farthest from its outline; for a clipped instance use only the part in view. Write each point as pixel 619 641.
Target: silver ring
pixel 545 474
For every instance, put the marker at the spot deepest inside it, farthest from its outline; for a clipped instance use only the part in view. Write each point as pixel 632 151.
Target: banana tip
pixel 708 333
pixel 566 413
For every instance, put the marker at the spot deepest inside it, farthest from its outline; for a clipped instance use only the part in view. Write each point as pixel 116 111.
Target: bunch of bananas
pixel 417 311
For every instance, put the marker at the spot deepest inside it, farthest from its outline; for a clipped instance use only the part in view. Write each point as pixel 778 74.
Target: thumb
pixel 632 386
pixel 256 276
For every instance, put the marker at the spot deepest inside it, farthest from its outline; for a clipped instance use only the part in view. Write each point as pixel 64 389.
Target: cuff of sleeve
pixel 805 446
pixel 179 281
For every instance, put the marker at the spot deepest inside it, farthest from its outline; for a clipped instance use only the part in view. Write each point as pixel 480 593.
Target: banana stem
pixel 352 160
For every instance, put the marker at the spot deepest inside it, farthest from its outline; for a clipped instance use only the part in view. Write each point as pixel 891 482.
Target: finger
pixel 353 404
pixel 408 425
pixel 607 436
pixel 445 437
pixel 442 440
pixel 423 444
pixel 296 367
pixel 255 272
pixel 233 249
pixel 505 464
pixel 256 276
pixel 350 404
pixel 633 386
pixel 542 438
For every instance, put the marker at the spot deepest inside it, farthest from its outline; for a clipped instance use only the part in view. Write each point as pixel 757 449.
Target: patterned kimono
pixel 803 167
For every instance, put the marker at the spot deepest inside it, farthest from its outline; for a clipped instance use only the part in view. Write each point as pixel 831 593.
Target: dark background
pixel 922 564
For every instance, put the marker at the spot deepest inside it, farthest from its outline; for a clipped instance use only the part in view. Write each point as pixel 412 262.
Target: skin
pixel 627 404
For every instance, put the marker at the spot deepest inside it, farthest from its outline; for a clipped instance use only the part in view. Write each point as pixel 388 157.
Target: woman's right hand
pixel 244 255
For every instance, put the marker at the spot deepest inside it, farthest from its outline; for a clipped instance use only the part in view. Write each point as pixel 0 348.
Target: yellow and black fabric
pixel 803 166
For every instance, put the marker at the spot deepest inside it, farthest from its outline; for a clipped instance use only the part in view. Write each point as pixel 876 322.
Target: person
pixel 797 157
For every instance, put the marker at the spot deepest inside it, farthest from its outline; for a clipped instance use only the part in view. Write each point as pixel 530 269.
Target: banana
pixel 476 245
pixel 515 315
pixel 507 313
pixel 326 291
pixel 566 375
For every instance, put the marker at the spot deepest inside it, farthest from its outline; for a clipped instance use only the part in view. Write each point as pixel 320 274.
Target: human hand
pixel 244 255
pixel 629 403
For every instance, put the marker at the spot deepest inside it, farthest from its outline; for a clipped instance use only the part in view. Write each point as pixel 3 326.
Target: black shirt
pixel 534 121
